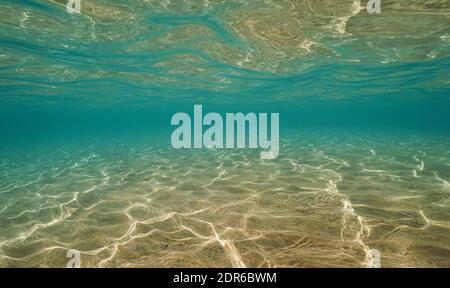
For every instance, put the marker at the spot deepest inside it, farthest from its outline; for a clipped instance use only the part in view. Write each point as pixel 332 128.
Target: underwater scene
pixel 344 159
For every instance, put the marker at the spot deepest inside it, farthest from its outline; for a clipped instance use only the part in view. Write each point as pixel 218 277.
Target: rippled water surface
pixel 219 51
pixel 85 155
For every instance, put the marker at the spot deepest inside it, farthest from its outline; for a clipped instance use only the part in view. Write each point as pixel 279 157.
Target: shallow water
pixel 325 201
pixel 85 155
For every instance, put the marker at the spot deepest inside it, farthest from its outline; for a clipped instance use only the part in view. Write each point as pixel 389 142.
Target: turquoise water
pixel 86 161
